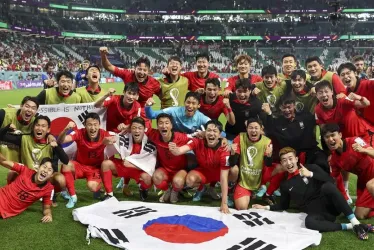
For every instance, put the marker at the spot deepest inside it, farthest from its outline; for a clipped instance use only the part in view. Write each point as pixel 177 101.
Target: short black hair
pixel 144 60
pixel 94 66
pixel 93 116
pixel 42 117
pixel 164 115
pixel 347 65
pixel 47 159
pixel 298 72
pixel 138 120
pixel 30 98
pixel 131 86
pixel 312 59
pixel 244 83
pixel 202 55
pixel 330 128
pixel 65 73
pixel 323 84
pixel 289 55
pixel 175 58
pixel 253 119
pixel 216 123
pixel 194 95
pixel 268 70
pixel 286 99
pixel 214 81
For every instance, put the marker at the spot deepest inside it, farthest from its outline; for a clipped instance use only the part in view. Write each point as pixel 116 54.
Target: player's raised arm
pixel 175 150
pixel 104 60
pixel 100 103
pixel 63 137
pixel 5 163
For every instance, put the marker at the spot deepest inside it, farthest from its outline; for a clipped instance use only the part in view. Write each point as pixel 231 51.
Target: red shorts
pixel 241 192
pixel 89 173
pixel 122 171
pixel 364 198
pixel 208 176
pixel 168 174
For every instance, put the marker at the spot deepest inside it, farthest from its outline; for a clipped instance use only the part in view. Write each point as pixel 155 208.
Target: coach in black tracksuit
pixel 295 130
pixel 313 192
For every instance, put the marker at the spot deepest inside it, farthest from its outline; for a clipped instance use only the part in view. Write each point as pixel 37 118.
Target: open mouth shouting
pixel 141 77
pixel 92 133
pixel 325 101
pixel 39 135
pixel 136 136
pixel 65 90
pixel 42 176
pixel 190 111
pixel 333 145
pixel 291 168
pixel 164 132
pixel 174 70
pixel 348 82
pixel 253 136
pixel 211 139
pixel 95 77
pixel 27 116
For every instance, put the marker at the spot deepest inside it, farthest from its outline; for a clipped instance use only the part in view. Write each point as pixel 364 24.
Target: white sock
pixel 347 226
pixel 110 193
pixel 346 185
pixel 74 196
pixel 354 221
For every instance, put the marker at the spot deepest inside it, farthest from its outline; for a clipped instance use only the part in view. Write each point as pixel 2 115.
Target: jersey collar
pixel 205 77
pixel 344 148
pixel 42 141
pixel 357 86
pixel 291 175
pixel 93 92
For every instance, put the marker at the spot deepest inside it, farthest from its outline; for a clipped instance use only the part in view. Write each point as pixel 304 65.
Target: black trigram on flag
pixel 252 244
pixel 134 212
pixel 115 236
pixel 82 116
pixel 253 219
pixel 124 141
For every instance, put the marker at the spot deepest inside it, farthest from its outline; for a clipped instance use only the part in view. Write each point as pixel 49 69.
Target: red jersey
pixel 357 163
pixel 344 114
pixel 165 158
pixel 211 159
pixel 117 113
pixel 231 82
pixel 23 192
pixel 336 83
pixel 89 153
pixel 195 82
pixel 366 88
pixel 213 110
pixel 146 89
pixel 136 148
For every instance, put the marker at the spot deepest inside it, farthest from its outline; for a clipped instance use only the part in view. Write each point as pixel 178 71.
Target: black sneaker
pixel 269 199
pixel 97 195
pixel 143 194
pixel 361 231
pixel 106 197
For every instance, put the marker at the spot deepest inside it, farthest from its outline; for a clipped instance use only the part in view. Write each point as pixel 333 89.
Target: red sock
pixel 126 181
pixel 144 186
pixel 107 180
pixel 69 178
pixel 163 185
pixel 176 189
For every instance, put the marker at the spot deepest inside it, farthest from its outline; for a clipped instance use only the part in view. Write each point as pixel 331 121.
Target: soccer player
pixel 270 90
pixel 312 190
pixel 359 63
pixel 92 91
pixel 29 187
pixel 212 104
pixel 138 160
pixel 314 67
pixel 148 86
pixel 171 169
pixel 353 155
pixel 289 64
pixel 91 142
pixel 213 163
pixel 63 93
pixel 359 86
pixel 175 86
pixel 22 120
pixel 122 108
pixel 243 65
pixel 244 106
pixel 342 111
pixel 81 76
pixel 252 151
pixel 187 119
pixel 49 80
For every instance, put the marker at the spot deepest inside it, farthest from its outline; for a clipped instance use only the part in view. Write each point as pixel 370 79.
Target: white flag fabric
pixel 156 226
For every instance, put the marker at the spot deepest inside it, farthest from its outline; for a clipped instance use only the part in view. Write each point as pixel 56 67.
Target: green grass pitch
pixel 63 233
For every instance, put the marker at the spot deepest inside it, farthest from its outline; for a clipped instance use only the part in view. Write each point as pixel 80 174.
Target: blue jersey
pixel 181 122
pixel 80 78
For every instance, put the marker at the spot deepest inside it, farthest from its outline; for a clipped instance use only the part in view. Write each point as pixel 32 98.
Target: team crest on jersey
pixel 272 99
pixel 36 154
pixel 301 125
pixel 299 106
pixel 251 154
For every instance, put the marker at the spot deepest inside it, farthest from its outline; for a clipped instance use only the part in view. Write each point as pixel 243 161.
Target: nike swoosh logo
pixel 284 129
pixel 290 189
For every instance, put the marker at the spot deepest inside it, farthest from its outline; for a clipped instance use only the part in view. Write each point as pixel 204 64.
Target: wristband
pixel 229 110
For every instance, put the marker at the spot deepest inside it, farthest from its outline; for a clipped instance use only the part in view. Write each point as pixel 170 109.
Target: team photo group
pixel 288 140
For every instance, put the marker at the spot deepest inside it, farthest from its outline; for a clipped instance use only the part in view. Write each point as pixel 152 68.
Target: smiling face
pixel 212 135
pixel 349 78
pixel 130 97
pixel 324 96
pixel 288 65
pixel 244 67
pixel 65 85
pixel 270 80
pixel 211 92
pixel 137 132
pixel 242 94
pixel 28 111
pixel 93 75
pixel 191 106
pixel 314 69
pixel 41 129
pixel 360 66
pixel 288 110
pixel 298 84
pixel 289 162
pixel 174 68
pixel 92 127
pixel 333 140
pixel 141 72
pixel 164 126
pixel 254 131
pixel 45 172
pixel 202 65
